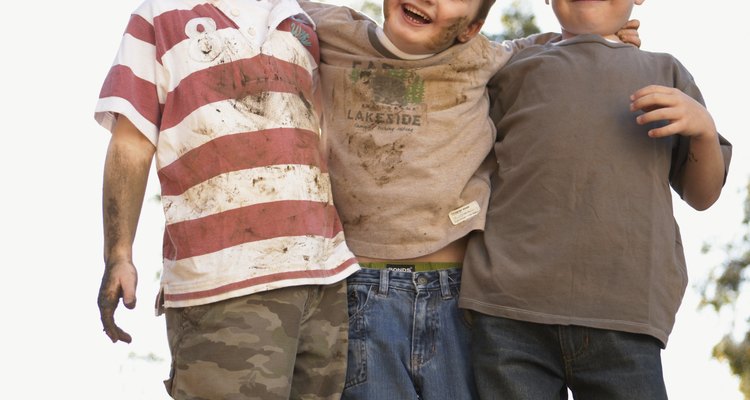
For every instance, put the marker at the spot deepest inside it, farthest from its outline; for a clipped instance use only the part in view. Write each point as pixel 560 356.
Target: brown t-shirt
pixel 580 229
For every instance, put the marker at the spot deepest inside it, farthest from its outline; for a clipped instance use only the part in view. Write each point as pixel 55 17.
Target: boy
pixel 577 277
pixel 224 95
pixel 408 134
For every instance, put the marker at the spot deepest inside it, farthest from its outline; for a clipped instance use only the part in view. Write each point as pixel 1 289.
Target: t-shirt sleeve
pixel 685 82
pixel 531 40
pixel 134 85
pixel 318 11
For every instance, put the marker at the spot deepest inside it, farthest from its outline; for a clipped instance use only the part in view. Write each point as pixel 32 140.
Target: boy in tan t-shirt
pixel 408 135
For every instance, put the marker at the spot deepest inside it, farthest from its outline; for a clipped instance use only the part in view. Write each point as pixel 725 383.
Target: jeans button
pixel 422 280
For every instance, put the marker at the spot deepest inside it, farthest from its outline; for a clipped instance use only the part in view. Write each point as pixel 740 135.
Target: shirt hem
pixel 552 319
pixel 186 299
pixel 401 251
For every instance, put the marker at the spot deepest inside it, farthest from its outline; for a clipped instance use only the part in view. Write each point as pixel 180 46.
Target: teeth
pixel 417 12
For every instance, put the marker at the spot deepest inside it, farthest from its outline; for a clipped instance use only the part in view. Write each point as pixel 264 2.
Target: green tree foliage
pixel 374 9
pixel 371 8
pixel 517 21
pixel 722 290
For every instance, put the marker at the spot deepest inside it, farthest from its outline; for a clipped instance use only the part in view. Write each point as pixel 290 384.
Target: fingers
pixel 128 294
pixel 632 24
pixel 628 37
pixel 683 114
pixel 107 316
pixel 629 33
pixel 123 336
pixel 657 104
pixel 653 97
pixel 652 90
pixel 115 285
pixel 107 306
pixel 671 128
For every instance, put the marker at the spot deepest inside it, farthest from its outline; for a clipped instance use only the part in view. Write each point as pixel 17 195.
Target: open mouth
pixel 415 15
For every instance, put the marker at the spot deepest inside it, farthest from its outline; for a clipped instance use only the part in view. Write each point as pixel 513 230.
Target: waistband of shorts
pixel 412 267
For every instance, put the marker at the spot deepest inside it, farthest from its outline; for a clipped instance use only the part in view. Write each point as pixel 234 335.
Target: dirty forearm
pixel 125 176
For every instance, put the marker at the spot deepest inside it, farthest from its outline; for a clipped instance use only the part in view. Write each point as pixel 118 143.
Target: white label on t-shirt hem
pixel 464 213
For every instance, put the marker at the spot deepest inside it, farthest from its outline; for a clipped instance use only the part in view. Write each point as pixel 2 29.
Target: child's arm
pixel 704 171
pixel 125 175
pixel 628 34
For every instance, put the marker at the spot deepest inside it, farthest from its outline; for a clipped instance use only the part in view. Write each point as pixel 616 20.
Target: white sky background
pixel 54 61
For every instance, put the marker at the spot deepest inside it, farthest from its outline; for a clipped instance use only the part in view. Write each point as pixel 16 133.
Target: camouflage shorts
pixel 282 344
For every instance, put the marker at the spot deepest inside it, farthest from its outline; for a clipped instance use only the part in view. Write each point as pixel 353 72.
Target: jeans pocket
pixel 356 367
pixel 467 317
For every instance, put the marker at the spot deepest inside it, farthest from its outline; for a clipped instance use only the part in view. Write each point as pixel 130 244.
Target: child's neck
pixel 388 44
pixel 611 37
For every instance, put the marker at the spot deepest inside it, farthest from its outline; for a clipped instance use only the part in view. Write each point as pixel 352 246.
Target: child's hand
pixel 119 282
pixel 686 116
pixel 629 33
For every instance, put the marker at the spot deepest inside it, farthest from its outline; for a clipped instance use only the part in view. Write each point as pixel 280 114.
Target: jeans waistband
pixel 446 281
pixel 412 267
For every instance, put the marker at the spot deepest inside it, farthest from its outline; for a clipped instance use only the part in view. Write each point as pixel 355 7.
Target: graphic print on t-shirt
pixel 385 105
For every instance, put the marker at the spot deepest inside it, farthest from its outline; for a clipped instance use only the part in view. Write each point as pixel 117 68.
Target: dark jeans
pixel 518 360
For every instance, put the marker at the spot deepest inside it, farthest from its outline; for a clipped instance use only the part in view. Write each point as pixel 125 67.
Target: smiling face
pixel 430 26
pixel 600 17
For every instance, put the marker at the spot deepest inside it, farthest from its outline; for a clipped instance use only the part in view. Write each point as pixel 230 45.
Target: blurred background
pixel 55 60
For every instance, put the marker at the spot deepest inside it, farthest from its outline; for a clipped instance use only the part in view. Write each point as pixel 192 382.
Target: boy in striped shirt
pixel 223 94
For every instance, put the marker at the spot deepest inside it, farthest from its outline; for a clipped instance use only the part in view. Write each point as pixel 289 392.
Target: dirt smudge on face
pixel 449 35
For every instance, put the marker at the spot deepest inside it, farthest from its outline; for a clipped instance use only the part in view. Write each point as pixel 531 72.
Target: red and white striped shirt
pixel 226 91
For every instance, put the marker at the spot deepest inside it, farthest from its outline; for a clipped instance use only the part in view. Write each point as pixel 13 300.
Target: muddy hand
pixel 118 282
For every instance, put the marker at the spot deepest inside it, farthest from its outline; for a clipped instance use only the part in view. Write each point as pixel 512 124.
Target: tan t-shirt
pixel 406 138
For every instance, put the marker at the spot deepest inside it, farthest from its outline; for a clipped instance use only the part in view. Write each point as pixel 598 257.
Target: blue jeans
pixel 407 337
pixel 521 360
